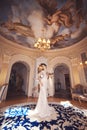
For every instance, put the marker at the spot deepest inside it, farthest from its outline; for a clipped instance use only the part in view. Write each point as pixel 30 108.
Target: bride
pixel 42 108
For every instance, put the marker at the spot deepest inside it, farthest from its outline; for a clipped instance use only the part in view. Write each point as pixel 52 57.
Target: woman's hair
pixel 41 67
pixel 43 64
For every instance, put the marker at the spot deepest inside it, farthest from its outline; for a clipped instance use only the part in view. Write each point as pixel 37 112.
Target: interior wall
pixel 12 53
pixel 0 59
pixel 30 70
pixel 82 75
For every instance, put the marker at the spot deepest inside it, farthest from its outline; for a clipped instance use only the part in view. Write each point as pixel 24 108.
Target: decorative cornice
pixel 11 48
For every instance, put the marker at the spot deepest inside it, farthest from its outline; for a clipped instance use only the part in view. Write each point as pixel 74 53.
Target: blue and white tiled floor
pixel 66 117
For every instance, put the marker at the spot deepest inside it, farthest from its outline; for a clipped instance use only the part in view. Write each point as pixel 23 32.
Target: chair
pixel 79 92
pixel 2 90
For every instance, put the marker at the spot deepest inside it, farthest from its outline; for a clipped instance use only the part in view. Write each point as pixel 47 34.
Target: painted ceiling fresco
pixel 64 21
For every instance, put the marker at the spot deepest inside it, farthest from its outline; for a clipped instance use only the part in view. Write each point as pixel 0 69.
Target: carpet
pixel 66 117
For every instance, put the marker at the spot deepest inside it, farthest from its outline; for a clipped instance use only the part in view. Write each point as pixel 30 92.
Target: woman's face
pixel 39 69
pixel 44 67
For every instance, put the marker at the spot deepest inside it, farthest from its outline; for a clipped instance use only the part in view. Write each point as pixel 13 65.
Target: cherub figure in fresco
pixel 60 18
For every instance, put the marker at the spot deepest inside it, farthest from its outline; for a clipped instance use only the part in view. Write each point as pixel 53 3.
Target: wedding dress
pixel 42 108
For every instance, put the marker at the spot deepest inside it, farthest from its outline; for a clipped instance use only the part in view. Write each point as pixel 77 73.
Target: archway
pixel 18 81
pixel 62 81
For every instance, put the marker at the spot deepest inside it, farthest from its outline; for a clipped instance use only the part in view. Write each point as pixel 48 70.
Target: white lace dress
pixel 42 108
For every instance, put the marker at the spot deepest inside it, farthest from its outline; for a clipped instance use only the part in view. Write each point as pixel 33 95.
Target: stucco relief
pixel 6 58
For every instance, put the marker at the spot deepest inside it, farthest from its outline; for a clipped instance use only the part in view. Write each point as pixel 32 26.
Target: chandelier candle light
pixel 42 44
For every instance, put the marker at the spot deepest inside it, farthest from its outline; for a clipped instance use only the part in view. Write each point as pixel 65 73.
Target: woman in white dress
pixel 42 108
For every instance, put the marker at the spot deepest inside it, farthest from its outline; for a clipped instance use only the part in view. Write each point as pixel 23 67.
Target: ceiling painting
pixel 64 22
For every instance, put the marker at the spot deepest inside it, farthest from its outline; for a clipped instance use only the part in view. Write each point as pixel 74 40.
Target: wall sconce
pixel 86 62
pixel 83 63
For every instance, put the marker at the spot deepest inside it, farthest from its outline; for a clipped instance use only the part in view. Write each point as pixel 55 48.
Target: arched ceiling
pixel 64 21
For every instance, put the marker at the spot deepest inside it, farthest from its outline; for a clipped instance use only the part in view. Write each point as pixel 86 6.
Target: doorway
pixel 18 81
pixel 62 81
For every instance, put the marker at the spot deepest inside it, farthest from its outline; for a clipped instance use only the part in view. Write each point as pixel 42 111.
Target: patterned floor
pixel 66 117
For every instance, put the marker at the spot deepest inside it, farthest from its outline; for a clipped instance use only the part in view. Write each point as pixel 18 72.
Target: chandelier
pixel 42 44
